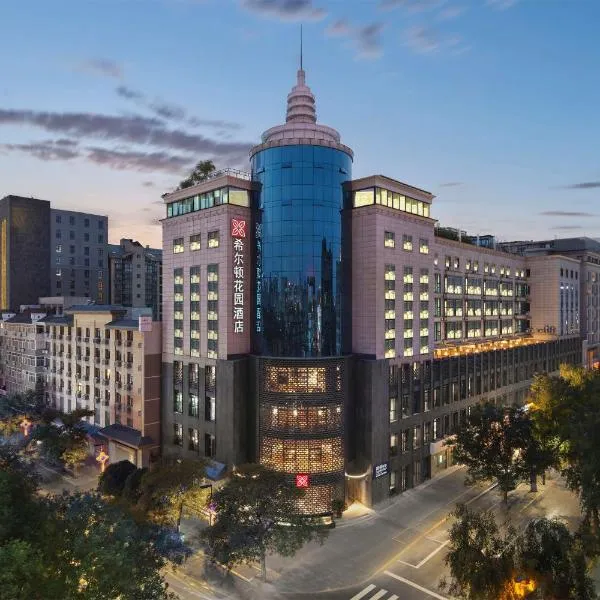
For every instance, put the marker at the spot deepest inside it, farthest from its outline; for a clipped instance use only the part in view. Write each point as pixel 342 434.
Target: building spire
pixel 301 47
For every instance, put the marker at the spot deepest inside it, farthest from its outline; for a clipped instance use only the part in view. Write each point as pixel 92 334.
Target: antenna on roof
pixel 301 47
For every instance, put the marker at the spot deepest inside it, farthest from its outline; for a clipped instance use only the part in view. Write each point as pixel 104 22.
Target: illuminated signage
pixel 381 470
pixel 302 480
pixel 145 323
pixel 258 277
pixel 238 234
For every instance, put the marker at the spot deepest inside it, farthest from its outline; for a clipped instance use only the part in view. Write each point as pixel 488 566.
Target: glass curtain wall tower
pixel 300 168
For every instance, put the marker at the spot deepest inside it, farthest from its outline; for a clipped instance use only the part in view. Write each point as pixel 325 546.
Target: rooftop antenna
pixel 301 47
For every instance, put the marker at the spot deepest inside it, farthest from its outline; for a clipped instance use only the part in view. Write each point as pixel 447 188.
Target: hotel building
pixel 318 325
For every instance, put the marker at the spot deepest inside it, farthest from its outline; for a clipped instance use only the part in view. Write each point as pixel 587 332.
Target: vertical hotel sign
pixel 238 234
pixel 258 277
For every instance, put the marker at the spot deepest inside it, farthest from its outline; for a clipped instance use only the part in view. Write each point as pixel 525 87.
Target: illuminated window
pixel 393 410
pixel 393 444
pixel 363 198
pixel 389 240
pixel 178 246
pixel 407 242
pixel 424 246
pixel 213 239
pixel 177 434
pixel 292 380
pixel 195 242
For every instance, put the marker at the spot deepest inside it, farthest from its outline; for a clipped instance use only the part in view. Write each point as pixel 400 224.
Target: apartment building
pixel 107 359
pixel 79 255
pixel 22 346
pixel 136 276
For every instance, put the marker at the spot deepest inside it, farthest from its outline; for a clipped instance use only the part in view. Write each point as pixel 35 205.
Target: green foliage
pixel 71 547
pixel 484 563
pixel 131 490
pixel 567 410
pixel 492 442
pixel 257 514
pixel 201 172
pixel 112 481
pixel 166 487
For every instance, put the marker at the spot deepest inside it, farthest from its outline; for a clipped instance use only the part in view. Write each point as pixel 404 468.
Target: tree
pixel 165 489
pixel 548 554
pixel 257 514
pixel 131 489
pixel 22 570
pixel 480 566
pixel 491 443
pixel 112 481
pixel 200 173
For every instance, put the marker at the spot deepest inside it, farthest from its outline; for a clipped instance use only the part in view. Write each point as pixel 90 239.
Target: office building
pixel 324 327
pixel 108 359
pixel 136 276
pixel 24 251
pixel 45 251
pixel 79 255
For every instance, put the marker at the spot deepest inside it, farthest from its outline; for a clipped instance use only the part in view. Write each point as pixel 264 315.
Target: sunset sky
pixel 490 105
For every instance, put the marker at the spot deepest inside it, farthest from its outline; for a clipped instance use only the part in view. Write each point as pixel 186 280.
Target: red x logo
pixel 302 481
pixel 238 228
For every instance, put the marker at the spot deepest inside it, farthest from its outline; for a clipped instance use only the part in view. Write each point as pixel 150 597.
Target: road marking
pixel 393 597
pixel 416 586
pixel 379 594
pixel 362 594
pixel 403 562
pixel 432 554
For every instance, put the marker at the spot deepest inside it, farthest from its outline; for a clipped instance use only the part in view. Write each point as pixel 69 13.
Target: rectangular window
pixel 210 445
pixel 424 246
pixel 177 434
pixel 59 248
pixel 194 439
pixel 213 239
pixel 58 218
pixel 178 246
pixel 393 444
pixel 389 240
pixel 407 243
pixel 195 242
pixel 177 401
pixel 194 409
pixel 210 408
pixel 393 410
pixel 416 437
pixel 212 311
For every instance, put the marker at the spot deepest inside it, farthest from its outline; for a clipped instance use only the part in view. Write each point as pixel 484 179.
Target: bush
pixel 131 489
pixel 112 481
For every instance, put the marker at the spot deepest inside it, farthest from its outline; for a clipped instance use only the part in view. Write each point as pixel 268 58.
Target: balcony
pixel 119 384
pixel 129 387
pixel 129 364
pixel 118 363
pixel 96 340
pixel 119 342
pixel 68 355
pixel 97 400
pixel 85 358
pixel 106 381
pixel 105 362
pixel 106 341
pixel 129 343
pixel 96 360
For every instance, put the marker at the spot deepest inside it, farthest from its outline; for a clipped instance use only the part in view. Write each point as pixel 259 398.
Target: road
pixel 417 566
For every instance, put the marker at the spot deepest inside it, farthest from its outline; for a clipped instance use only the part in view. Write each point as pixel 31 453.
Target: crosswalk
pixel 371 592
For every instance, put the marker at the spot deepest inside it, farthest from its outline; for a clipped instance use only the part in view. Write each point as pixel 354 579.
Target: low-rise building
pixel 107 359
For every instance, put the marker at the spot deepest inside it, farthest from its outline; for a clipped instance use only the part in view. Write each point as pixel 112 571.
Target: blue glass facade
pixel 299 296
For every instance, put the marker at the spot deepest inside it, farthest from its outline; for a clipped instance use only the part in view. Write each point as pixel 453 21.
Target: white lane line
pixel 379 594
pixel 407 563
pixel 416 586
pixel 360 595
pixel 494 485
pixel 393 597
pixel 432 554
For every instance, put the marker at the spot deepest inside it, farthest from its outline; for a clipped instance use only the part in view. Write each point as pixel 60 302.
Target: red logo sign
pixel 302 480
pixel 238 228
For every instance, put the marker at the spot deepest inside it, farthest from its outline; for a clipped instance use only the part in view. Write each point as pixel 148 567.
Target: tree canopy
pixel 257 514
pixel 200 173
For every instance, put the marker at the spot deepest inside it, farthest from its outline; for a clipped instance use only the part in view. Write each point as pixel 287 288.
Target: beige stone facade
pixel 100 359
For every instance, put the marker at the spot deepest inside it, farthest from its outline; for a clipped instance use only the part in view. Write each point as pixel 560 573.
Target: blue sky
pixel 492 105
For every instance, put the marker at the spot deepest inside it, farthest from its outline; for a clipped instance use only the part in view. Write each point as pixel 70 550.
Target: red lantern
pixel 302 480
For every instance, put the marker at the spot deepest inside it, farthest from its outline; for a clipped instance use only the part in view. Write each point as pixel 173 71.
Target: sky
pixel 491 105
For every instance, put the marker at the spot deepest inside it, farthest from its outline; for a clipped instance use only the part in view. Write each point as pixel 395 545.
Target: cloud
pixel 171 112
pixel 102 66
pixel 286 10
pixel 451 12
pixel 586 185
pixel 451 184
pixel 501 4
pixel 127 129
pixel 566 213
pixel 46 150
pixel 425 40
pixel 139 161
pixel 566 227
pixel 410 5
pixel 368 41
pixel 339 28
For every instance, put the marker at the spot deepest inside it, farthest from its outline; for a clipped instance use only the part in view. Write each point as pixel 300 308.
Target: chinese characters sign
pixel 258 277
pixel 238 234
